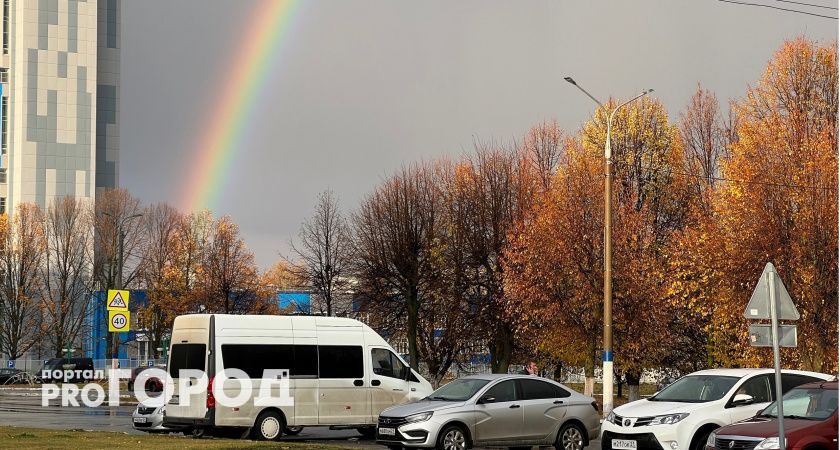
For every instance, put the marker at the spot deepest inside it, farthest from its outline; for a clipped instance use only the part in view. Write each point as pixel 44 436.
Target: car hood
pixel 762 427
pixel 647 408
pixel 418 407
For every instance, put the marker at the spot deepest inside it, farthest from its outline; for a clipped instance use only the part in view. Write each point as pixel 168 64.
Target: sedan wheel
pixel 571 438
pixel 453 439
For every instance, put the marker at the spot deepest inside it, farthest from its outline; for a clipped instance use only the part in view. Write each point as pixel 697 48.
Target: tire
pixel 268 427
pixel 367 432
pixel 197 433
pixel 452 437
pixel 570 437
pixel 699 441
pixel 292 431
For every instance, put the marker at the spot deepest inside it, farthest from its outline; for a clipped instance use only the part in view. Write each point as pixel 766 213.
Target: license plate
pixel 139 420
pixel 388 431
pixel 623 444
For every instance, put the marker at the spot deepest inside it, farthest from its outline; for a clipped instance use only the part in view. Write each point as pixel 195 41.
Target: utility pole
pixel 607 356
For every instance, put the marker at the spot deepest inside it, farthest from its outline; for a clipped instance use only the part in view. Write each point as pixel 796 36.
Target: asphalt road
pixel 22 408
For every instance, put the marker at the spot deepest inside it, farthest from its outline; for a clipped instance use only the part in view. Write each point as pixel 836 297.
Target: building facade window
pixel 4 125
pixel 6 26
pixel 4 75
pixel 2 205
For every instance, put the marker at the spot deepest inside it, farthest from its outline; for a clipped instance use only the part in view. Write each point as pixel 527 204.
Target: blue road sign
pixel 150 363
pixel 10 364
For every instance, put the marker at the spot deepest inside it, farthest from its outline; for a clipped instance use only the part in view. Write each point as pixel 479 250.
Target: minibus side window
pixel 254 359
pixel 386 364
pixel 340 361
pixel 187 356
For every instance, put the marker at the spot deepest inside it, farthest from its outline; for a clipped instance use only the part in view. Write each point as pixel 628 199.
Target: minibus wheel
pixel 198 432
pixel 268 427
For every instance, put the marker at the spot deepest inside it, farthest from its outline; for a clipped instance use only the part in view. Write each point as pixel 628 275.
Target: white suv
pixel 681 416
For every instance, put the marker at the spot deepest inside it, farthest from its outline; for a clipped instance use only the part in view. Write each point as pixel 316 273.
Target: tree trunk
pixel 558 371
pixel 589 371
pixel 632 385
pixel 412 304
pixel 501 349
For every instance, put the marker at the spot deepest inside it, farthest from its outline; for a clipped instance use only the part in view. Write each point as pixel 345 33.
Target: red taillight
pixel 594 405
pixel 211 399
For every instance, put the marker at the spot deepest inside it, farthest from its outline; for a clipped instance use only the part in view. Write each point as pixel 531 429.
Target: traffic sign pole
pixel 774 329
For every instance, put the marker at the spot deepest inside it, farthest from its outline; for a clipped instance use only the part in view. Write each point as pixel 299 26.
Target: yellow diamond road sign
pixel 117 300
pixel 118 321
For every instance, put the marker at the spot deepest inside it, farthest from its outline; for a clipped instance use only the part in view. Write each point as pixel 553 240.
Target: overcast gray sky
pixel 363 87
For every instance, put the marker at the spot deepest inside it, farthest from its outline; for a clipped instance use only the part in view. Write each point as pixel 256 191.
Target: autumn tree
pixel 542 148
pixel 395 228
pixel 66 280
pixel 117 243
pixel 284 276
pixel 781 205
pixel 159 273
pixel 118 239
pixel 229 281
pixel 554 265
pixel 324 252
pixel 22 249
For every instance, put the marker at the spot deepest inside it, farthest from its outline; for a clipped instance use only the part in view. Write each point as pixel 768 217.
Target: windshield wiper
pixel 794 416
pixel 440 397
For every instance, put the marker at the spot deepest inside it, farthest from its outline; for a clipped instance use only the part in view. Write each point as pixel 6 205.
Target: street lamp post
pixel 115 344
pixel 607 356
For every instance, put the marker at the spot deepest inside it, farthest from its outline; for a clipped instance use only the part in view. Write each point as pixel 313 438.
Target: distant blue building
pixel 295 302
pixel 96 344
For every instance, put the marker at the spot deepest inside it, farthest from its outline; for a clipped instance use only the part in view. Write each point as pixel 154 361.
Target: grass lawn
pixel 33 438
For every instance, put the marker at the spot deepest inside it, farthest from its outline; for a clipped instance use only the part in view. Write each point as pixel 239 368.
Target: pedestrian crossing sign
pixel 117 300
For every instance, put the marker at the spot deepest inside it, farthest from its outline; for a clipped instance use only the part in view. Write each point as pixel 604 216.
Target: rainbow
pixel 221 135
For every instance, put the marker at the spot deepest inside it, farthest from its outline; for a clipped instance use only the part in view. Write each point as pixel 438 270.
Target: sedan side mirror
pixel 742 399
pixel 486 399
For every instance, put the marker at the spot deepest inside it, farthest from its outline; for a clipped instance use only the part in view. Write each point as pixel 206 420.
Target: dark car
pixel 11 376
pixel 810 422
pixel 149 383
pixel 81 370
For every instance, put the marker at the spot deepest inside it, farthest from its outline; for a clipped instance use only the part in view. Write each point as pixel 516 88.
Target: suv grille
pixel 391 421
pixel 734 444
pixel 640 422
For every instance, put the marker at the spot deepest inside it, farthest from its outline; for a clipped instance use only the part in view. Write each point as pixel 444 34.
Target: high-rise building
pixel 60 75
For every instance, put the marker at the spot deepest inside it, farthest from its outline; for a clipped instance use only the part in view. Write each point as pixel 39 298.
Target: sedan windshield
pixel 696 389
pixel 810 404
pixel 459 390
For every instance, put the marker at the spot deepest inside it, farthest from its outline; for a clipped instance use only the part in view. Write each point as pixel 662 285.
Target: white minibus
pixel 341 373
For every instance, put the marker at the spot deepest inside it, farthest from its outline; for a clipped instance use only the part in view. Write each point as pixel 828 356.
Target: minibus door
pixel 185 356
pixel 343 397
pixel 388 380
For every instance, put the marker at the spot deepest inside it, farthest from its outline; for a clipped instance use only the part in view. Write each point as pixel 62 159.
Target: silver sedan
pixel 493 411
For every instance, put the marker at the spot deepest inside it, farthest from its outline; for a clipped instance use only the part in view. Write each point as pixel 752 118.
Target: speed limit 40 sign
pixel 118 321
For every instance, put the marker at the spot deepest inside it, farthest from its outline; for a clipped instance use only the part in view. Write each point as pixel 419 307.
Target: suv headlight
pixel 668 419
pixel 710 442
pixel 419 417
pixel 771 443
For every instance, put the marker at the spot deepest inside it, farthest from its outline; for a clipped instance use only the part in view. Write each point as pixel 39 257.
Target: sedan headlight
pixel 419 417
pixel 610 417
pixel 771 443
pixel 710 442
pixel 668 419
